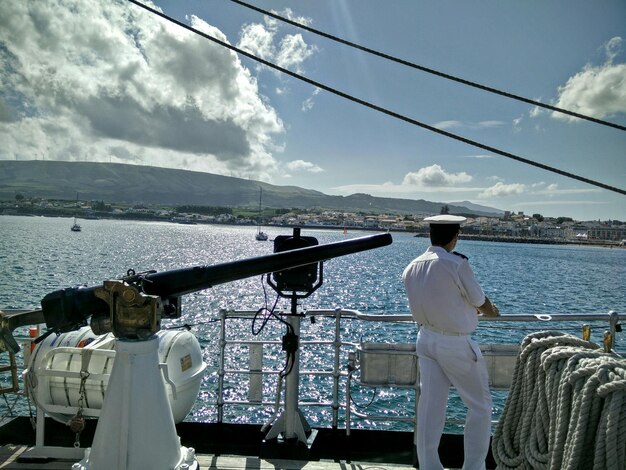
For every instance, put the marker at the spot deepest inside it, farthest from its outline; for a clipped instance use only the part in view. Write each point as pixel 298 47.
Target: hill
pixel 133 184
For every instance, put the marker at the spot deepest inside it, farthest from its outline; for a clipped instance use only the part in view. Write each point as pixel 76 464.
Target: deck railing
pixel 343 366
pixel 346 360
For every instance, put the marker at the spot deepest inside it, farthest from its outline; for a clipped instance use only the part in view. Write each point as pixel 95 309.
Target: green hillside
pixel 132 184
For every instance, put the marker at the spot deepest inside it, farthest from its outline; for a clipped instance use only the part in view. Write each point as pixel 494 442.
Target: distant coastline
pixel 533 240
pixel 464 236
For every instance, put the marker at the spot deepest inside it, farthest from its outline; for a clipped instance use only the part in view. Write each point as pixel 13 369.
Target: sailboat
pixel 260 234
pixel 76 226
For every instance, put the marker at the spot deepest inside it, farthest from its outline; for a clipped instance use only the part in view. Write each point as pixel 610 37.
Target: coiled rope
pixel 566 408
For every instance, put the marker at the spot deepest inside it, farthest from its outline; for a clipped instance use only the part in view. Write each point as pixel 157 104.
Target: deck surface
pixel 9 459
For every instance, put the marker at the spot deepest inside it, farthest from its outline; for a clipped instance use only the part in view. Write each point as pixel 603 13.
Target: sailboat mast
pixel 260 235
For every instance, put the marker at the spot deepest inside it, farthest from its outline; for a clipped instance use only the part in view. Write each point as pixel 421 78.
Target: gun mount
pixel 132 307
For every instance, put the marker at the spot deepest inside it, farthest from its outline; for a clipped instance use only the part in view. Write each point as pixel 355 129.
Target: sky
pixel 111 82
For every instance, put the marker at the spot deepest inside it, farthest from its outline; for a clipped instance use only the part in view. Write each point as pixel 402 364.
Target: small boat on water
pixel 76 226
pixel 260 234
pixel 115 394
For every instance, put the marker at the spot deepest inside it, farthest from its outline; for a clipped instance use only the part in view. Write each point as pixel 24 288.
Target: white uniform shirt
pixel 442 291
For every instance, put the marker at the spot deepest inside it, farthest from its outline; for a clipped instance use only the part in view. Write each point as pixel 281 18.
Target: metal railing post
pixel 221 370
pixel 336 373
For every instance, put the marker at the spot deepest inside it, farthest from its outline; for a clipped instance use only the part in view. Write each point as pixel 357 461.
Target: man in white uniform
pixel 445 300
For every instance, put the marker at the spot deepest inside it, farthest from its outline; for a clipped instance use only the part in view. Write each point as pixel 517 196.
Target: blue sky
pixel 111 82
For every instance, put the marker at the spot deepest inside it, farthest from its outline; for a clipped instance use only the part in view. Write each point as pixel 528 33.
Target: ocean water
pixel 39 255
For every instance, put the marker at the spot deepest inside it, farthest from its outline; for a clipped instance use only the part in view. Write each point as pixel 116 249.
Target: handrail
pixel 338 342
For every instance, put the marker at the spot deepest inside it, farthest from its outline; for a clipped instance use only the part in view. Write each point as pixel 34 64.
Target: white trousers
pixel 446 361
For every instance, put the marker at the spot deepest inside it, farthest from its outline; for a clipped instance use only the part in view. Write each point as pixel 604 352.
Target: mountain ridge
pixel 134 184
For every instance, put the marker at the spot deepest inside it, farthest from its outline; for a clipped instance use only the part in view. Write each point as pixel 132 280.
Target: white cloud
pixel 263 40
pixel 93 79
pixel 445 125
pixel 307 104
pixel 389 189
pixel 293 52
pixel 501 190
pixel 448 124
pixel 536 111
pixel 597 91
pixel 301 165
pixel 489 124
pixel 540 204
pixel 288 13
pixel 554 190
pixel 258 40
pixel 434 175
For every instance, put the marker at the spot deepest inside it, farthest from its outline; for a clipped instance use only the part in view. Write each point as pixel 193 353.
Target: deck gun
pixel 132 307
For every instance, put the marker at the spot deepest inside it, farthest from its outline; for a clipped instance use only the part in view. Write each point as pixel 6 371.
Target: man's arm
pixel 488 309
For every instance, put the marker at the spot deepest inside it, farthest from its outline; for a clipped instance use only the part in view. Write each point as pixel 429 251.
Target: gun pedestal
pixel 136 428
pixel 295 283
pixel 291 424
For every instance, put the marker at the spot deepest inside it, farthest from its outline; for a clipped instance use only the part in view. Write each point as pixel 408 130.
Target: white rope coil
pixel 566 408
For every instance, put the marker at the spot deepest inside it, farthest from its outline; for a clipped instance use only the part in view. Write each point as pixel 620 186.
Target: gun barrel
pixel 186 280
pixel 66 309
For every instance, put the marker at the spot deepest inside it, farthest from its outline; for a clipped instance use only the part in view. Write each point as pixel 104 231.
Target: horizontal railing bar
pixel 274 372
pixel 272 403
pixel 350 313
pixel 278 343
pixel 505 317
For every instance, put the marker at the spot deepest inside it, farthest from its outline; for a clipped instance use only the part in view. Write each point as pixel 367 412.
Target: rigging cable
pixel 429 70
pixel 380 108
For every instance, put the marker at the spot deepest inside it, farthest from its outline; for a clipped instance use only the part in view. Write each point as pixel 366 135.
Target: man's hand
pixel 488 309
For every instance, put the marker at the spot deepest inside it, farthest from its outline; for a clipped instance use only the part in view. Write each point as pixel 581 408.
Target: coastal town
pixel 510 226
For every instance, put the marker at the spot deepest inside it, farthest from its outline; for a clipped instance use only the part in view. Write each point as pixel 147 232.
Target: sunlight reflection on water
pixel 39 255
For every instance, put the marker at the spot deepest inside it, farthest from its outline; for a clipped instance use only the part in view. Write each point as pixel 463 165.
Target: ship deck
pixel 10 459
pixel 238 446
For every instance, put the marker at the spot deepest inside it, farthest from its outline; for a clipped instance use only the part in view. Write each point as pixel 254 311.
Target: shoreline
pixel 533 241
pixel 464 236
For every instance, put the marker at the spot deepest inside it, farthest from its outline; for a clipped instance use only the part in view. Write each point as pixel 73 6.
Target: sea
pixel 39 255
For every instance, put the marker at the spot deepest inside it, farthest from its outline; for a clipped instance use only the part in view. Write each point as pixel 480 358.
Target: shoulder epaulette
pixel 460 254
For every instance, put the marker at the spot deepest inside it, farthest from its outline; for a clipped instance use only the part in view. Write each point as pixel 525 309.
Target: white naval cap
pixel 445 219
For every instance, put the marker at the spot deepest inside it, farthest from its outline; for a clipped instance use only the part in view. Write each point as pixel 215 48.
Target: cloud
pixel 258 40
pixel 110 82
pixel 445 125
pixel 502 190
pixel 597 91
pixel 448 125
pixel 301 165
pixel 581 202
pixel 489 124
pixel 553 189
pixel 293 52
pixel 288 52
pixel 307 104
pixel 434 175
pixel 389 189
